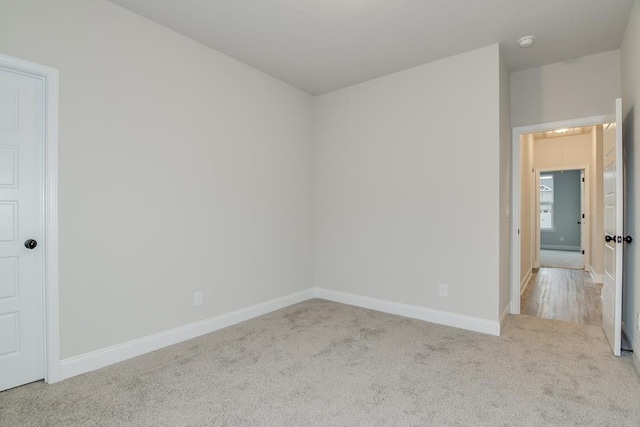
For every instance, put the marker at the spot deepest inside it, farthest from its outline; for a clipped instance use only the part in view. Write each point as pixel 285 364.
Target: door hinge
pixel 582 252
pixel 582 179
pixel 582 215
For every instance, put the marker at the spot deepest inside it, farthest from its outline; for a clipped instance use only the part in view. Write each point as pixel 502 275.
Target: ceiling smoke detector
pixel 526 41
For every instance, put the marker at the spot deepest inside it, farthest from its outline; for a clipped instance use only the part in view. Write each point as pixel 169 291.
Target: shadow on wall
pixel 628 290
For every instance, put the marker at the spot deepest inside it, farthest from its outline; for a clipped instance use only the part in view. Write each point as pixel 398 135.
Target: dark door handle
pixel 628 239
pixel 579 222
pixel 30 244
pixel 609 238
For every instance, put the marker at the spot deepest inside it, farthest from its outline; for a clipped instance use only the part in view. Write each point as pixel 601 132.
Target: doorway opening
pixel 562 218
pixel 560 202
pixel 29 122
pixel 605 211
pixel 541 155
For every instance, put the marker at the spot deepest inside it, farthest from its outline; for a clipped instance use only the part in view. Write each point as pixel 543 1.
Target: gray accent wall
pixel 567 212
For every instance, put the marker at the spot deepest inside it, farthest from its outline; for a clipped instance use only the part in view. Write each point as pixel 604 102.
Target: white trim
pixel 49 77
pixel 525 282
pixel 585 207
pixel 636 350
pixel 470 323
pixel 561 248
pixel 586 210
pixel 515 191
pixel 596 277
pixel 107 356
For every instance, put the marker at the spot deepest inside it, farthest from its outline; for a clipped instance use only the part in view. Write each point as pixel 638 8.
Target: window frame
pixel 551 203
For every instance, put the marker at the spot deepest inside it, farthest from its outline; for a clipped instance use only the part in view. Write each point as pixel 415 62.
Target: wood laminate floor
pixel 563 294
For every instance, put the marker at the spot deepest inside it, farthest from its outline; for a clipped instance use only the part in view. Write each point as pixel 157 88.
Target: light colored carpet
pixel 560 259
pixel 320 363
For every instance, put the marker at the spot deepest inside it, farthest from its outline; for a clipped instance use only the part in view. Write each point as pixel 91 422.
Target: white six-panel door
pixel 21 218
pixel 613 229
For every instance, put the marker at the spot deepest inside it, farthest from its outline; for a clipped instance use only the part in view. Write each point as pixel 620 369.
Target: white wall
pixel 180 170
pixel 505 186
pixel 583 87
pixel 563 152
pixel 630 96
pixel 408 190
pixel 527 218
pixel 596 217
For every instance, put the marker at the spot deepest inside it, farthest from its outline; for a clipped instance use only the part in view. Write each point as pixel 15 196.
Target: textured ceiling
pixel 324 45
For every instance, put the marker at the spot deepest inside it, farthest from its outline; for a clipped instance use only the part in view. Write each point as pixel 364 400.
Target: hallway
pixel 563 294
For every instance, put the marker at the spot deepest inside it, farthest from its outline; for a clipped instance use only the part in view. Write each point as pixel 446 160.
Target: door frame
pixel 585 208
pixel 515 190
pixel 49 77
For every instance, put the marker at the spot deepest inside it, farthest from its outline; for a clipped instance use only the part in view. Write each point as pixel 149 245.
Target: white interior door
pixel 21 219
pixel 613 229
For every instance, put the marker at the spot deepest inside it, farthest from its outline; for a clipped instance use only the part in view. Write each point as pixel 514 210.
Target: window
pixel 546 202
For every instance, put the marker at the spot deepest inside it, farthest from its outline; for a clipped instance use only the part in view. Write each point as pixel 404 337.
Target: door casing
pixel 584 207
pixel 49 76
pixel 516 132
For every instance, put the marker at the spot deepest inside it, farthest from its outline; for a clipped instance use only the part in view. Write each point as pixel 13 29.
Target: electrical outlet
pixel 562 238
pixel 443 290
pixel 198 298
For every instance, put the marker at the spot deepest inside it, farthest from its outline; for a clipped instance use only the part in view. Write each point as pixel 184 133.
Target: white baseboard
pixel 470 323
pixel 596 277
pixel 91 361
pixel 561 248
pixel 635 348
pixel 525 281
pixel 107 356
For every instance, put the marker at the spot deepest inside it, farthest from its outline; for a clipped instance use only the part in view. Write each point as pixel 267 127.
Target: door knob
pixel 30 244
pixel 628 239
pixel 609 238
